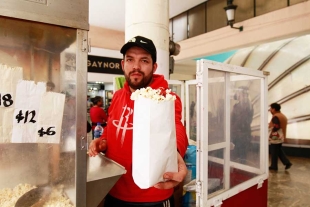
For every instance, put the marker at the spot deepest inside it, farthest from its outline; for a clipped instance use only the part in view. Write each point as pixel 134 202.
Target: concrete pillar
pixel 150 18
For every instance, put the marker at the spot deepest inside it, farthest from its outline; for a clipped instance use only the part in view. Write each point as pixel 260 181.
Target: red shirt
pixel 118 134
pixel 97 114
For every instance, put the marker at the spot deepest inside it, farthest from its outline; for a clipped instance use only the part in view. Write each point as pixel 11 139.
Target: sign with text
pixel 97 64
pixel 6 99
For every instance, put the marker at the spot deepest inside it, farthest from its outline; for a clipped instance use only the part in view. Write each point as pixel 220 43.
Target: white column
pixel 150 18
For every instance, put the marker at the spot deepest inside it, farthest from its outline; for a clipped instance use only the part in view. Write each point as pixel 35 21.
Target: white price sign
pixel 6 99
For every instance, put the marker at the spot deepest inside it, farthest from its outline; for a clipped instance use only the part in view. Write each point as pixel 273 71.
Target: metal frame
pixel 81 134
pixel 69 13
pixel 202 136
pixel 181 83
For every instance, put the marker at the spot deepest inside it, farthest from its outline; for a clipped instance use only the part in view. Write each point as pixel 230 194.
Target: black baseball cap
pixel 142 42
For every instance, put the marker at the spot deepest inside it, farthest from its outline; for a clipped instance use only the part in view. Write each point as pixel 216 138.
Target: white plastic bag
pixel 154 141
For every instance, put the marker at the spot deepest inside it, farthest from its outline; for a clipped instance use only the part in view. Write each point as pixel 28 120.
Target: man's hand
pixel 173 179
pixel 96 146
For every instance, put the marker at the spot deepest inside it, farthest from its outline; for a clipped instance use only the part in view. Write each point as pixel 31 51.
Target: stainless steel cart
pixel 48 40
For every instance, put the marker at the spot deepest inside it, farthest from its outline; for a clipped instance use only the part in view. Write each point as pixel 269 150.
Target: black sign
pixel 97 64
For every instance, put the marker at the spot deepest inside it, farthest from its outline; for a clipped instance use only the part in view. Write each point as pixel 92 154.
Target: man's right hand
pixel 96 146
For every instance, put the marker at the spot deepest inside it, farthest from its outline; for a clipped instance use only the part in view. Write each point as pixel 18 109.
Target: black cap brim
pixel 128 45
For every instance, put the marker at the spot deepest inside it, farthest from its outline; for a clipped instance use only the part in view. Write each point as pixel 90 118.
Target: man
pixel 139 65
pixel 276 148
pixel 241 119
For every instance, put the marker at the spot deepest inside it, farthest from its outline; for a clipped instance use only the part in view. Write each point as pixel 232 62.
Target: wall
pixel 284 23
pixel 106 38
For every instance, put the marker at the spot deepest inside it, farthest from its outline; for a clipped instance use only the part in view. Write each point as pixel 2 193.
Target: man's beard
pixel 146 80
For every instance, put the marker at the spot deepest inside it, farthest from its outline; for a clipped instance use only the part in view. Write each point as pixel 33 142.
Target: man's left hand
pixel 173 179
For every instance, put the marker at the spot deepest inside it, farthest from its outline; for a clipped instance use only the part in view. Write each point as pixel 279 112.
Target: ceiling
pixel 110 14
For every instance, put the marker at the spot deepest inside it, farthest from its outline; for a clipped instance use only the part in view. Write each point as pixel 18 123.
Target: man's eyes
pixel 143 60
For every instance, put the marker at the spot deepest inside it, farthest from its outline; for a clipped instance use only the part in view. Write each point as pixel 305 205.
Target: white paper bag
pixel 27 104
pixel 50 118
pixel 9 76
pixel 154 141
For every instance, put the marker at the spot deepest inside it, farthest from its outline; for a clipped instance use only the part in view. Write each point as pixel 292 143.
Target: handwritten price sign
pixel 37 115
pixel 26 116
pixel 23 116
pixel 6 100
pixel 47 131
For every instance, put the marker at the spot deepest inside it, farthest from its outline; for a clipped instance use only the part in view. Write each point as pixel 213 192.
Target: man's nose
pixel 136 65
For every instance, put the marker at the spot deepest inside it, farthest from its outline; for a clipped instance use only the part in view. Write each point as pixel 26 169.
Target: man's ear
pixel 122 64
pixel 154 67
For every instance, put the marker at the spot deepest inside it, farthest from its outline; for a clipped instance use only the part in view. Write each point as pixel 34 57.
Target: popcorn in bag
pixel 154 137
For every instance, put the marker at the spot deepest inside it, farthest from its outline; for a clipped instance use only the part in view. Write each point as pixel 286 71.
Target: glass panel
pixel 236 158
pixel 196 20
pixel 192 112
pixel 245 104
pixel 45 53
pixel 256 103
pixel 263 6
pixel 176 89
pixel 215 171
pixel 216 15
pixel 238 176
pixel 244 90
pixel 216 100
pixel 179 27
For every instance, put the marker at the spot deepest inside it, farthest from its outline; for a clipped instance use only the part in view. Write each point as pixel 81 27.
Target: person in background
pixel 97 114
pixel 89 127
pixel 241 119
pixel 139 65
pixel 192 122
pixel 278 123
pixel 89 103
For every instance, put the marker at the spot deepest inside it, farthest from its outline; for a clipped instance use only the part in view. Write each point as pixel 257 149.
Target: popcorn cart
pixel 227 118
pixel 43 142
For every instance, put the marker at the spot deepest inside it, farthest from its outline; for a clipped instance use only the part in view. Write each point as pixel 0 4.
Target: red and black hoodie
pixel 118 134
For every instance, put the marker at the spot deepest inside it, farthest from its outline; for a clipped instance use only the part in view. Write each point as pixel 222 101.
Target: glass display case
pixel 43 142
pixel 227 118
pixel 39 63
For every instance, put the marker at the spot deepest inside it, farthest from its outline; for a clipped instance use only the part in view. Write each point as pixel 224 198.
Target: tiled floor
pixel 290 188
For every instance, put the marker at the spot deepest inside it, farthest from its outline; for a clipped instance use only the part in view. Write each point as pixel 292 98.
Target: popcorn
pixel 158 95
pixel 8 196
